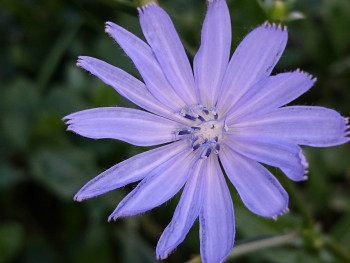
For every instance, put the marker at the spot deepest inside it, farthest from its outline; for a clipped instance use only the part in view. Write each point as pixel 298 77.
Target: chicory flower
pixel 223 110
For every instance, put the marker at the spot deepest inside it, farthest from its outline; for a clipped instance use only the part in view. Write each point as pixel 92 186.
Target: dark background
pixel 42 166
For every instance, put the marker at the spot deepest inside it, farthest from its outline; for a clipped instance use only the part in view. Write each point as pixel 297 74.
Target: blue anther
pixel 205 111
pixel 217 147
pixel 208 152
pixel 215 116
pixel 201 118
pixel 187 116
pixel 195 147
pixel 196 128
pixel 183 132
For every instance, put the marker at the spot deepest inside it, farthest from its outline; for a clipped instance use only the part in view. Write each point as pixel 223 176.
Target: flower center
pixel 206 132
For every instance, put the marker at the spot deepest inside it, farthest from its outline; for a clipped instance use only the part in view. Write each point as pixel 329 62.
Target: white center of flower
pixel 206 132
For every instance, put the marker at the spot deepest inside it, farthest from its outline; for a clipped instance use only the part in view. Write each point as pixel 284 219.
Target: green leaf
pixel 11 240
pixel 64 171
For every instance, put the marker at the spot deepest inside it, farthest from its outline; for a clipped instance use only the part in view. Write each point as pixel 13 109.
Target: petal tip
pixel 114 216
pixel 162 256
pixel 81 61
pixel 108 26
pixel 143 8
pixel 78 198
pixel 274 26
pixel 303 162
pixel 308 75
pixel 284 212
pixel 117 213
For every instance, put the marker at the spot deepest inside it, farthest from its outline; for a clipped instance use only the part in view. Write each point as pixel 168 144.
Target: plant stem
pixel 337 249
pixel 262 244
pixel 249 247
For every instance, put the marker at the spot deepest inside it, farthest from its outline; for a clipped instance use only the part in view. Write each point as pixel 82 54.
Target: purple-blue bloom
pixel 223 110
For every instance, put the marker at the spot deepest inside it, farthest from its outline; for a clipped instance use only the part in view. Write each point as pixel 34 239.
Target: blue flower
pixel 230 110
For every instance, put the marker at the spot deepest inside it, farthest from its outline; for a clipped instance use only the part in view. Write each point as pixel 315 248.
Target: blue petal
pixel 169 51
pixel 157 187
pixel 258 188
pixel 130 125
pixel 305 125
pixel 280 153
pixel 185 214
pixel 147 64
pixel 270 94
pixel 130 170
pixel 213 55
pixel 216 219
pixel 252 61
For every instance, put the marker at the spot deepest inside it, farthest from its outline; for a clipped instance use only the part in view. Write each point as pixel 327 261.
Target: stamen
pixel 201 118
pixel 205 111
pixel 207 153
pixel 206 130
pixel 187 116
pixel 195 147
pixel 183 132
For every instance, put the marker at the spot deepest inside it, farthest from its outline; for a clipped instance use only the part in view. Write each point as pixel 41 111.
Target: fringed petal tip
pixel 347 129
pixel 118 213
pixel 143 8
pixel 79 198
pixel 308 75
pixel 112 218
pixel 162 256
pixel 80 61
pixel 85 193
pixel 66 119
pixel 108 26
pixel 84 61
pixel 347 126
pixel 286 211
pixel 274 26
pixel 305 165
pixel 69 122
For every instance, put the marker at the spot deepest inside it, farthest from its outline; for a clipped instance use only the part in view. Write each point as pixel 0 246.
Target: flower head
pixel 224 109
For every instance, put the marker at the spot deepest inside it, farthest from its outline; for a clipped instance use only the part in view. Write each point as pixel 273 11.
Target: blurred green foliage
pixel 42 165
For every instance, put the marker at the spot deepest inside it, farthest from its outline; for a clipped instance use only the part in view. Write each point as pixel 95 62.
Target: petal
pixel 185 214
pixel 145 61
pixel 270 94
pixel 126 85
pixel 168 49
pixel 280 153
pixel 216 219
pixel 252 61
pixel 157 187
pixel 130 125
pixel 258 188
pixel 213 55
pixel 305 125
pixel 130 170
